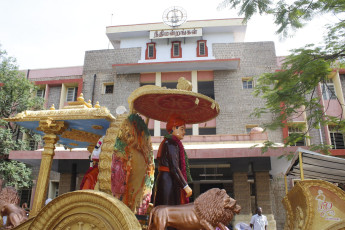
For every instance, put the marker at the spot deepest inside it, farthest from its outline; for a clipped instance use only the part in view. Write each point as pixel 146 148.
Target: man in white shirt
pixel 259 221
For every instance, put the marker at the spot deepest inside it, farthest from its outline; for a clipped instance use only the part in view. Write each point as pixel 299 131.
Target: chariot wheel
pixel 85 209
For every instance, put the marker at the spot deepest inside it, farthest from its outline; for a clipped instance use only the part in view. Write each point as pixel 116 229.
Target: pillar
pixel 242 196
pixel 157 124
pixel 263 199
pixel 51 129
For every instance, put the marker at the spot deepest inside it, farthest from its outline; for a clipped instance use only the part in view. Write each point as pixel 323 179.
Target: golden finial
pixel 184 84
pixel 89 105
pixel 81 97
pixel 52 107
pixel 97 105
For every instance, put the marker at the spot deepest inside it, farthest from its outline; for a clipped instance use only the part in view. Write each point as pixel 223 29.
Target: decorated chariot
pixel 125 177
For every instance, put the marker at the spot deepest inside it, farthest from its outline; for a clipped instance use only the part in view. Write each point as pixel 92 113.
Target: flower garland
pixel 184 162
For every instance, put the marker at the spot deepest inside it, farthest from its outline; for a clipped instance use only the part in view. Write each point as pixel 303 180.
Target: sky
pixel 56 33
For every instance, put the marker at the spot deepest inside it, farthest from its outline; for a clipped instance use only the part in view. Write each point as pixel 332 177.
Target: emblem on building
pixel 174 16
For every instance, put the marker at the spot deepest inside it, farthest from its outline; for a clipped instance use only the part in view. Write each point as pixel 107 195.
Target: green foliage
pixel 293 90
pixel 15 174
pixel 288 15
pixel 17 94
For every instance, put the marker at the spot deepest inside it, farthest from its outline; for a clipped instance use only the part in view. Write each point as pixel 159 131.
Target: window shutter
pixel 40 93
pixel 151 51
pixel 176 49
pixel 70 94
pixel 202 48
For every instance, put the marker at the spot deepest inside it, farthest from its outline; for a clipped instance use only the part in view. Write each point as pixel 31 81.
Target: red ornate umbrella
pixel 159 103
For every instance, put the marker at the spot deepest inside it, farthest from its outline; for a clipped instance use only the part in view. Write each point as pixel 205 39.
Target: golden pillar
pixel 51 129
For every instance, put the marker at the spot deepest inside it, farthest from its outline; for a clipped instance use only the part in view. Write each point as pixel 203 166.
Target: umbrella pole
pixel 301 165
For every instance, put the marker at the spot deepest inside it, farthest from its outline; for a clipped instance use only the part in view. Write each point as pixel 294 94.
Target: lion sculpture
pixel 9 207
pixel 212 209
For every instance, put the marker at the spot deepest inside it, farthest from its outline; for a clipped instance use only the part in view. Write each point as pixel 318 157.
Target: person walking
pixel 259 221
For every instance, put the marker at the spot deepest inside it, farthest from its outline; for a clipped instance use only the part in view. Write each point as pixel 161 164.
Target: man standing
pixel 259 221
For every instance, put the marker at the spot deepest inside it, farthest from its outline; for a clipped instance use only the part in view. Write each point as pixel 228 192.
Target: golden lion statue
pixel 212 209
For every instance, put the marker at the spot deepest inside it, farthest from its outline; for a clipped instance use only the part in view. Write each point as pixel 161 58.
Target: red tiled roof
pixel 56 72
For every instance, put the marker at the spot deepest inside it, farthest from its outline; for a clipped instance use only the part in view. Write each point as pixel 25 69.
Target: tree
pixel 293 90
pixel 17 94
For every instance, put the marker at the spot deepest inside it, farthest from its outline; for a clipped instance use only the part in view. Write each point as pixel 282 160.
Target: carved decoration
pixel 64 114
pixel 315 204
pixel 48 126
pixel 85 209
pixel 98 127
pixel 124 169
pixel 105 158
pixel 79 135
pixel 184 84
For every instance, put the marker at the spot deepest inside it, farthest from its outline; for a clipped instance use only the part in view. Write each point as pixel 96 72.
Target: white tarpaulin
pixel 317 166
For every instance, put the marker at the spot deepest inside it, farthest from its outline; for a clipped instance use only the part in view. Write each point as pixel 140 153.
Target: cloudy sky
pixel 56 33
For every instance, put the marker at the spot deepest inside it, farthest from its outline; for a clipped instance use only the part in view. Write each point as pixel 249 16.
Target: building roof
pixel 54 72
pixel 213 26
pixel 213 64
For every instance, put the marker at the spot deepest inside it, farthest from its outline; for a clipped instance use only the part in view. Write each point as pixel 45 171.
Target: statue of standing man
pixel 171 184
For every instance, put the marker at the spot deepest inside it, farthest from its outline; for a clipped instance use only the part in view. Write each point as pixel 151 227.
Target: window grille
pixel 337 138
pixel 109 88
pixel 247 84
pixel 176 49
pixel 72 93
pixel 40 93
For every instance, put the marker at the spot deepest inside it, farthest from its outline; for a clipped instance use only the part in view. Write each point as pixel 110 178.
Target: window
pixel 337 138
pixel 207 131
pixel 189 131
pixel 206 88
pixel 202 50
pixel 169 85
pixel 250 127
pixel 328 92
pixel 72 93
pixel 40 93
pixel 176 50
pixel 247 83
pixel 25 196
pixel 150 52
pixel 33 145
pixel 109 89
pixel 295 131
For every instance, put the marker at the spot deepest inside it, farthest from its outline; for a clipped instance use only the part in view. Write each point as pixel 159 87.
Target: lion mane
pixel 210 207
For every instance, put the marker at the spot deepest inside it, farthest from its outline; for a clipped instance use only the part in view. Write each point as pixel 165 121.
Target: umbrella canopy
pixel 160 103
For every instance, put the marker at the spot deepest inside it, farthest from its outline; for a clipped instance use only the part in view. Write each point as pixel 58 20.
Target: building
pixel 212 55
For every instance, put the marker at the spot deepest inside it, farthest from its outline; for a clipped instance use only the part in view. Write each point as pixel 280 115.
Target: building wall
pixel 100 63
pixel 236 104
pixel 277 189
pixel 54 96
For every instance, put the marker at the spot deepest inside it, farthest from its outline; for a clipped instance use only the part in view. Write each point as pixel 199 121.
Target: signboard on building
pixel 178 33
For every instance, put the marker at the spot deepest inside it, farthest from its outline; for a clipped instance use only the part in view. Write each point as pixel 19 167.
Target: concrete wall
pixel 54 97
pixel 100 62
pixel 277 194
pixel 235 102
